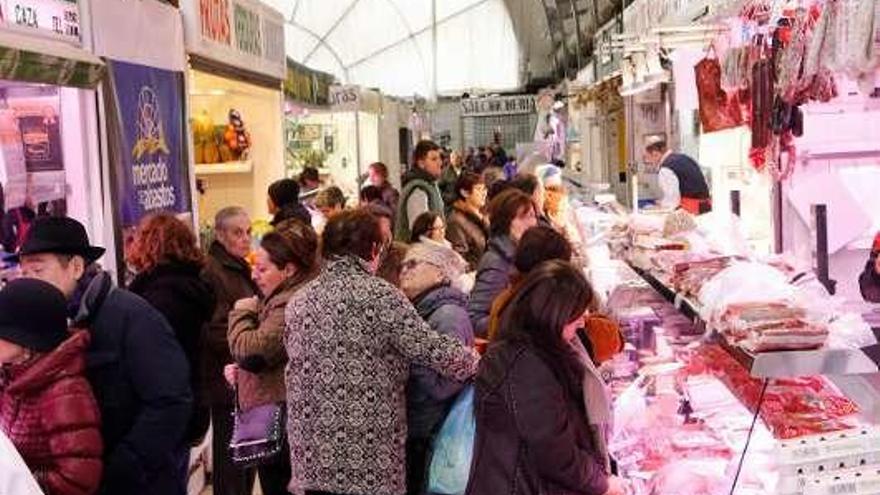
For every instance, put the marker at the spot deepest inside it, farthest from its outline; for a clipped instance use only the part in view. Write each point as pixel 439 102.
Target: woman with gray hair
pixel 430 279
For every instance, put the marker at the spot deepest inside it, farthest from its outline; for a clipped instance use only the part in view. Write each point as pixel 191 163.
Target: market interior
pixel 647 233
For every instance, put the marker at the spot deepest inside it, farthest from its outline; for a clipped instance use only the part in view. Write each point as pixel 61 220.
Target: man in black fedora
pixel 135 365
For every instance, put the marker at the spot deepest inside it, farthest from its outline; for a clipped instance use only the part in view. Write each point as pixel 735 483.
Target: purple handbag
pixel 258 434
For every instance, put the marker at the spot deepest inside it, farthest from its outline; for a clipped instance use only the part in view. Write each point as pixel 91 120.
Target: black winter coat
pixel 493 275
pixel 187 302
pixel 532 437
pixel 292 211
pixel 869 282
pixel 468 233
pixel 135 367
pixel 230 279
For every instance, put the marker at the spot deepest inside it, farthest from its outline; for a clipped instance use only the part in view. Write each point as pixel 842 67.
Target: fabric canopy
pixel 389 44
pixel 24 58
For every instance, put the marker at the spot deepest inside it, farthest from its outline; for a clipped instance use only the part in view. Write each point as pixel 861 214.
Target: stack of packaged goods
pixel 771 326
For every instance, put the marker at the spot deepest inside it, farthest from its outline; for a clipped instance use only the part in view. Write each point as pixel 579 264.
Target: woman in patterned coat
pixel 351 339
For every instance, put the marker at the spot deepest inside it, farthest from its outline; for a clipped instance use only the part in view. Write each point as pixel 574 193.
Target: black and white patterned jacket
pixel 351 338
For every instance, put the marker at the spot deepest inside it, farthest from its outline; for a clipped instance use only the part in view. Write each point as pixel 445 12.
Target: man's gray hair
pixel 222 218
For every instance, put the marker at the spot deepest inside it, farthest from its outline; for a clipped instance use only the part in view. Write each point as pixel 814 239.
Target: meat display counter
pixel 714 394
pixel 780 364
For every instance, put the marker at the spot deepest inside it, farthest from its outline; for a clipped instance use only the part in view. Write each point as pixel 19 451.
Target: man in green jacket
pixel 420 191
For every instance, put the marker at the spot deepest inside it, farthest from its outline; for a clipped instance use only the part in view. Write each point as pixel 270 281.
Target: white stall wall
pixel 391 120
pixel 840 166
pixel 81 165
pixel 724 156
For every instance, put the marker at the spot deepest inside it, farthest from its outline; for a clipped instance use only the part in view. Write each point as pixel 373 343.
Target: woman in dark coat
pixel 531 437
pixel 283 202
pixel 512 213
pixel 869 280
pixel 168 261
pixel 467 228
pixel 430 272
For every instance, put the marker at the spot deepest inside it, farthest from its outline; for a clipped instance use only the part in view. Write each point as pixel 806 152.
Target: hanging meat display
pixel 785 75
pixel 718 110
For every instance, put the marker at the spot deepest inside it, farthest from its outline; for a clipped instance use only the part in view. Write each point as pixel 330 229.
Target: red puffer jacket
pixel 48 411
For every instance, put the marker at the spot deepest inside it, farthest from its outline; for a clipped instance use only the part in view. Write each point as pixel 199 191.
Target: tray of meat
pixel 787 335
pixel 761 311
pixel 659 244
pixel 792 407
pixel 690 276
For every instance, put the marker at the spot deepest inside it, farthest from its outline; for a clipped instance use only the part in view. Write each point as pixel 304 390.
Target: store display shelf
pixel 682 303
pixel 778 364
pixel 225 168
pixel 783 364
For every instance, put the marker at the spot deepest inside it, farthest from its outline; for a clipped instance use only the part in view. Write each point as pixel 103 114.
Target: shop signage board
pixel 241 33
pixel 305 85
pixel 55 18
pixel 151 174
pixel 498 105
pixel 345 98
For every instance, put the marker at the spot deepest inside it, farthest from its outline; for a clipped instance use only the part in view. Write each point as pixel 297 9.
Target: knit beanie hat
pixel 549 175
pixel 449 262
pixel 33 314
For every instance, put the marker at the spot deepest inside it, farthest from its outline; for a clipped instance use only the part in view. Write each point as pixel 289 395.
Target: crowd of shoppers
pixel 364 341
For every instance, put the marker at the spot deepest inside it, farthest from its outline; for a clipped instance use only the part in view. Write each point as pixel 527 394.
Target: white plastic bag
pixel 744 282
pixel 15 477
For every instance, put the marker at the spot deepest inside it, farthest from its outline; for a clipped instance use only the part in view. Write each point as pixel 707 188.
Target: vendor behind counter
pixel 680 178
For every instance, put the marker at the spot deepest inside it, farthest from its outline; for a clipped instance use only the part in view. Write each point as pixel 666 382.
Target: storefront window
pixel 33 176
pixel 237 134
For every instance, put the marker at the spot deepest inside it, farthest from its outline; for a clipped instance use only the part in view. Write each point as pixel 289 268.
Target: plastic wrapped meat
pixel 787 335
pixel 792 407
pixel 623 298
pixel 743 282
pixel 678 222
pixel 763 327
pixel 761 311
pixel 690 276
pixel 691 477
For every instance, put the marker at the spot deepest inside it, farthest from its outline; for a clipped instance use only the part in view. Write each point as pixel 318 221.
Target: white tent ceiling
pixel 389 44
pixel 491 45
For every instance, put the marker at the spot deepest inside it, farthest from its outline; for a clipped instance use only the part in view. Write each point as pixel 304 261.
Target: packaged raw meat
pixel 791 407
pixel 691 477
pixel 791 335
